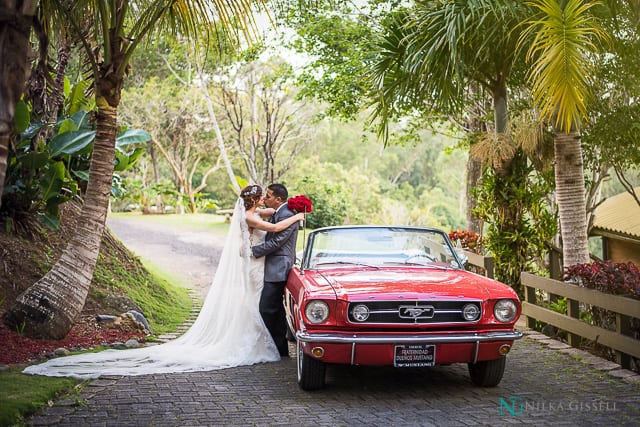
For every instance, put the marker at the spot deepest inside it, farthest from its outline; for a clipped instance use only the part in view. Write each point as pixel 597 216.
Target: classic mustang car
pixel 395 296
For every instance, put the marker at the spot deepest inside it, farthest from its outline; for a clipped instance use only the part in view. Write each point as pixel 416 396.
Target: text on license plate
pixel 414 356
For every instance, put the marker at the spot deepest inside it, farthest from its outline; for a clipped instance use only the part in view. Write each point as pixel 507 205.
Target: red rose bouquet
pixel 300 203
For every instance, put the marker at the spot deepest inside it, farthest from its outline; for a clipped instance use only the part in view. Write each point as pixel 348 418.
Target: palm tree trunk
pixel 571 198
pixel 49 308
pixel 15 25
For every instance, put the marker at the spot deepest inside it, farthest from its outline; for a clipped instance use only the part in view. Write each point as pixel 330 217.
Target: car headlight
pixel 360 313
pixel 470 312
pixel 505 310
pixel 316 311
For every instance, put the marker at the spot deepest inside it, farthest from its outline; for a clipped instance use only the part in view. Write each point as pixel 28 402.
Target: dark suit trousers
pixel 272 312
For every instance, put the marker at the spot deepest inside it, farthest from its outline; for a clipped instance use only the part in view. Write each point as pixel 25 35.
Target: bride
pixel 229 330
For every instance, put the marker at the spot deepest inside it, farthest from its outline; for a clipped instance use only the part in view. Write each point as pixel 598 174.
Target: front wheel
pixel 310 371
pixel 487 373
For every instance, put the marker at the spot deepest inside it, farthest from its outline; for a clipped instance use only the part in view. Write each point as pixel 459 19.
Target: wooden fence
pixel 624 308
pixel 484 262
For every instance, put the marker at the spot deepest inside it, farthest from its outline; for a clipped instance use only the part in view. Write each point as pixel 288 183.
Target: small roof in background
pixel 619 214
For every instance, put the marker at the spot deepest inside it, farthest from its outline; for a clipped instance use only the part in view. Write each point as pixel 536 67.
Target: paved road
pixel 544 385
pixel 190 254
pixel 549 388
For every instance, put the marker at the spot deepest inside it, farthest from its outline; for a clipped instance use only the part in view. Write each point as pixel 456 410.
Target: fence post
pixel 555 265
pixel 623 326
pixel 573 310
pixel 530 297
pixel 488 266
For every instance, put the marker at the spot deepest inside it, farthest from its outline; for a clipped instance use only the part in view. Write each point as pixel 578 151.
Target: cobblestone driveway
pixel 541 387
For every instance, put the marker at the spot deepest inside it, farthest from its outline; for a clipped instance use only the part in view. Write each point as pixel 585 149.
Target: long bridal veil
pixel 228 331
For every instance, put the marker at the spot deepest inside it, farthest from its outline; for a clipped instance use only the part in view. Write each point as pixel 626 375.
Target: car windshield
pixel 375 247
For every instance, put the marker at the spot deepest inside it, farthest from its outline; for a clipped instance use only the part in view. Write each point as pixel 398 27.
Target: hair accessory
pixel 254 190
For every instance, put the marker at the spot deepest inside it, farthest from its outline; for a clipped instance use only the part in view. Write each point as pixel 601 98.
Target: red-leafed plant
pixel 469 240
pixel 612 278
pixel 607 276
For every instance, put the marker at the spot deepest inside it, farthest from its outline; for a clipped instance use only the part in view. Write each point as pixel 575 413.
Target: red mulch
pixel 16 349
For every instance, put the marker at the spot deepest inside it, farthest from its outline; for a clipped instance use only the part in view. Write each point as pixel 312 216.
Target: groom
pixel 279 250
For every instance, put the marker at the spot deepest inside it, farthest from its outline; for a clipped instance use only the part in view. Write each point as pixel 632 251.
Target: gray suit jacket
pixel 279 249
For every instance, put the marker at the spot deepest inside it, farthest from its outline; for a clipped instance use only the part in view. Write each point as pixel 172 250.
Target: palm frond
pixel 564 40
pixel 432 51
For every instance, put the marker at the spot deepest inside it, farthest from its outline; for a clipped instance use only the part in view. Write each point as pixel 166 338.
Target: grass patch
pixel 171 304
pixel 22 395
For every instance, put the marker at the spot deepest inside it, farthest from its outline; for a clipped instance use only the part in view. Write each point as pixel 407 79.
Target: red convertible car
pixel 395 296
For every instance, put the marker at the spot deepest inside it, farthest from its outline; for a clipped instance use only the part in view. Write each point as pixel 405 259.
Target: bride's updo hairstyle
pixel 251 195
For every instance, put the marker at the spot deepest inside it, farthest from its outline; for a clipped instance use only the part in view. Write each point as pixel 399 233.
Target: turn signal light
pixel 504 349
pixel 317 351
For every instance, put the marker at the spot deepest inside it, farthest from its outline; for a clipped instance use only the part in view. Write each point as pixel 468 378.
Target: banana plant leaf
pixel 71 142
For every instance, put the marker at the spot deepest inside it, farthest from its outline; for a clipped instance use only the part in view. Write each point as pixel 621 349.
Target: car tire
pixel 487 373
pixel 311 372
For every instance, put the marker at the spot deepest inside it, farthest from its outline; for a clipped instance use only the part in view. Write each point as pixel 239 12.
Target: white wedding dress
pixel 228 332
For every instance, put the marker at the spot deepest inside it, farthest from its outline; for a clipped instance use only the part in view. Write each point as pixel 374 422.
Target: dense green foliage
pixel 50 163
pixel 329 202
pixel 351 173
pixel 517 243
pixel 611 138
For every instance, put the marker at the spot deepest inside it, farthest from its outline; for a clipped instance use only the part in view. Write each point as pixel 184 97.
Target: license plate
pixel 414 356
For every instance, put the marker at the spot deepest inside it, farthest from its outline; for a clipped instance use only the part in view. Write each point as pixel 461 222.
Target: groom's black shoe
pixel 284 352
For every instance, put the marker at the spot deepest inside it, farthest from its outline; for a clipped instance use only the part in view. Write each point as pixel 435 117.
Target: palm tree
pixel 49 308
pixel 15 28
pixel 564 42
pixel 433 53
pixel 445 56
pixel 439 56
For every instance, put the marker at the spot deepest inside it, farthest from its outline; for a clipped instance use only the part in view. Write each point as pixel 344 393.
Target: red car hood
pixel 408 283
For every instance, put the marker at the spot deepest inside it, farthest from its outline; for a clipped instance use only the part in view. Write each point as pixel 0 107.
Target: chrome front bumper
pixel 356 339
pixel 400 339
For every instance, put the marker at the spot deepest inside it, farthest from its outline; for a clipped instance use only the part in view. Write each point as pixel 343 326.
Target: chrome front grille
pixel 413 312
